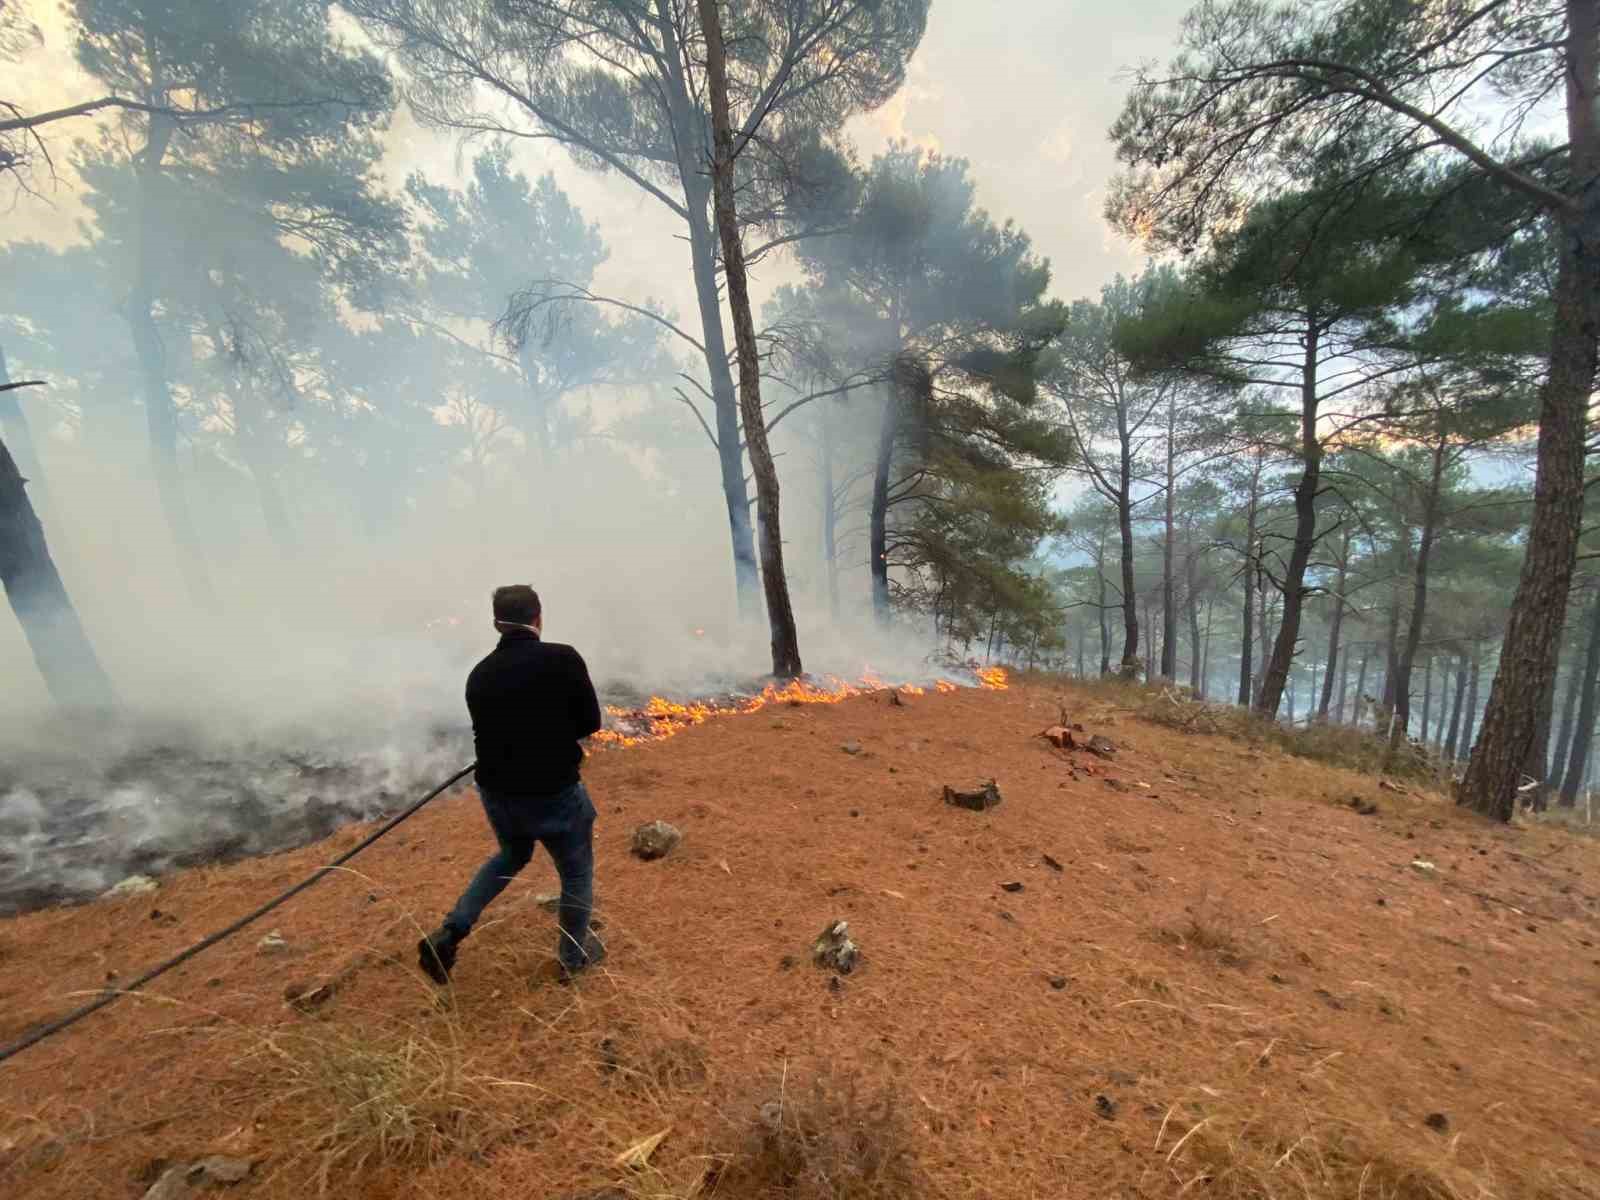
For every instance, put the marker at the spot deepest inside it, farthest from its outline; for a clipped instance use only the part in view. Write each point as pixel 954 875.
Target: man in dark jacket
pixel 531 703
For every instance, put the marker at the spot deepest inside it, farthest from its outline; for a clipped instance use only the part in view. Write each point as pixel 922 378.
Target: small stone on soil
pixel 1105 1106
pixel 655 840
pixel 1014 886
pixel 1103 746
pixel 985 796
pixel 835 949
pixel 1437 1121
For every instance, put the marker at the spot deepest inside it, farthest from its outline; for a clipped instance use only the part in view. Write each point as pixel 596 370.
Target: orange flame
pixel 660 719
pixel 993 678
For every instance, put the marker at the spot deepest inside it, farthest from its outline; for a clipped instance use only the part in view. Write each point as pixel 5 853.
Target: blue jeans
pixel 564 825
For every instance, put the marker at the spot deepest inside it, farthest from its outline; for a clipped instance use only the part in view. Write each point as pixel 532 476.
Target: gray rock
pixel 272 943
pixel 851 747
pixel 1102 745
pixel 173 1185
pixel 985 796
pixel 835 950
pixel 185 1180
pixel 221 1169
pixel 655 840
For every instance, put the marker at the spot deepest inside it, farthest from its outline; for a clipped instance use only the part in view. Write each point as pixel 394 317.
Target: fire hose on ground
pixel 50 1028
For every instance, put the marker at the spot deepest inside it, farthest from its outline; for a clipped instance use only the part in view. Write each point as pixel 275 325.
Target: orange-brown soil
pixel 1234 984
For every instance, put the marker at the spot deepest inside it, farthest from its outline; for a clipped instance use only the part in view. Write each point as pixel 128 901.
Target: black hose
pixel 35 1036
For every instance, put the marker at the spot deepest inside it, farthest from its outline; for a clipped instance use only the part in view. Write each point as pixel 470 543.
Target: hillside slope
pixel 1233 982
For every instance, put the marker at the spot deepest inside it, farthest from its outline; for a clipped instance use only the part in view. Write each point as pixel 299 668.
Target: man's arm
pixel 585 704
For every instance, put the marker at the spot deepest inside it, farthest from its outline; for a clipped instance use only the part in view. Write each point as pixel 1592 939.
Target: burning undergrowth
pixel 79 814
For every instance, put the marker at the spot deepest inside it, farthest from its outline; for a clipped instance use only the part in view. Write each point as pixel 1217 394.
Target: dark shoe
pixel 436 954
pixel 594 951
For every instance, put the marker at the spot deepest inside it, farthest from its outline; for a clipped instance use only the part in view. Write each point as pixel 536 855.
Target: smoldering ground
pixel 326 685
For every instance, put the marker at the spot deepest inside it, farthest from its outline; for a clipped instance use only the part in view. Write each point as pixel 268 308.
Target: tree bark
pixel 1150 650
pixel 1536 767
pixel 1470 716
pixel 14 429
pixel 1538 611
pixel 160 416
pixel 1169 590
pixel 1453 739
pixel 60 647
pixel 780 613
pixel 1105 625
pixel 878 517
pixel 1192 599
pixel 1247 614
pixel 1419 608
pixel 1428 698
pixel 1361 685
pixel 1305 528
pixel 1583 734
pixel 1130 602
pixel 689 133
pixel 1334 627
pixel 1344 687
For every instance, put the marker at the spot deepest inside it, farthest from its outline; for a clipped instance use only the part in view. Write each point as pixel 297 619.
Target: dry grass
pixel 1213 927
pixel 1311 1137
pixel 1334 744
pixel 1051 1041
pixel 829 1140
pixel 353 1096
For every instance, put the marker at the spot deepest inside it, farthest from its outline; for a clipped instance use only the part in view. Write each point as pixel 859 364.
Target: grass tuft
pixel 828 1141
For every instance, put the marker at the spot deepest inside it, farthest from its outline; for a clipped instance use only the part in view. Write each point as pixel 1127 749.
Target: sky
pixel 1025 91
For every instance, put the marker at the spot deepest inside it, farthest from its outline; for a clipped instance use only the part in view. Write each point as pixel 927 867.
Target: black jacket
pixel 531 701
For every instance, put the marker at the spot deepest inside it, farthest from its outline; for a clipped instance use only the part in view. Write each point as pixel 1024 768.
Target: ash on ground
pixel 81 809
pixel 75 819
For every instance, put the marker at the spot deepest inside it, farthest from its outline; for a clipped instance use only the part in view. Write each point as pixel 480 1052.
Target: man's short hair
pixel 517 603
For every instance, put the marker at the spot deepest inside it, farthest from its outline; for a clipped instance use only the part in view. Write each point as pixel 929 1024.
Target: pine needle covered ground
pixel 1216 977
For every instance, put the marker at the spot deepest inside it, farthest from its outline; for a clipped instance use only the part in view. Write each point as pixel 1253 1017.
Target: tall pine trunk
pixel 1536 767
pixel 780 613
pixel 1305 528
pixel 1539 608
pixel 1334 628
pixel 1361 685
pixel 66 660
pixel 1105 624
pixel 1169 589
pixel 1192 602
pixel 1130 602
pixel 1470 715
pixel 1419 609
pixel 689 142
pixel 14 429
pixel 1583 735
pixel 878 514
pixel 1344 687
pixel 1247 635
pixel 1453 739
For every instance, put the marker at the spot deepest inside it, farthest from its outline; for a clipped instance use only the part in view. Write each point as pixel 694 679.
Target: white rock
pixel 133 885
